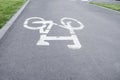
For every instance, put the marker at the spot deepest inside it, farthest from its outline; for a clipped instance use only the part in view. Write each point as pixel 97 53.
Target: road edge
pixel 10 22
pixel 105 8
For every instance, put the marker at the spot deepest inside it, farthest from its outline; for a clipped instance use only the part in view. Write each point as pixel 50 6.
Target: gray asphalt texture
pixel 98 59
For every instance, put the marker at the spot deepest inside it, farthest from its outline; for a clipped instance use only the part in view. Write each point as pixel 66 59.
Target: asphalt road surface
pixel 98 59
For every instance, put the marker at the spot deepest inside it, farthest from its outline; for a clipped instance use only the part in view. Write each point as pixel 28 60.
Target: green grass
pixel 8 8
pixel 108 5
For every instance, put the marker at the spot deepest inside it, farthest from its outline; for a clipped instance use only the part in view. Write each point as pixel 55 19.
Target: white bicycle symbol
pixel 45 26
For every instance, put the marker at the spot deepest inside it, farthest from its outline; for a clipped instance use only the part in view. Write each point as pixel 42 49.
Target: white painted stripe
pixel 85 0
pixel 73 0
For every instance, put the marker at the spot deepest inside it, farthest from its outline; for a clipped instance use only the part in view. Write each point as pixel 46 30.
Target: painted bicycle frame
pixel 48 24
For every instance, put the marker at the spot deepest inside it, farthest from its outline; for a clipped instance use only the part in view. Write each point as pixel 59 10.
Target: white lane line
pixel 85 0
pixel 73 0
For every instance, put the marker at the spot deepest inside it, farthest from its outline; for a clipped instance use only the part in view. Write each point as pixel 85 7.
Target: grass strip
pixel 113 6
pixel 8 8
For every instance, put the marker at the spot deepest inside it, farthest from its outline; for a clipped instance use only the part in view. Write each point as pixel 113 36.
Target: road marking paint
pixel 85 0
pixel 66 23
pixel 73 0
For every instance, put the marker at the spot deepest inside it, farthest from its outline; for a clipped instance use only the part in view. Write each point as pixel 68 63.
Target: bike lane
pixel 22 59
